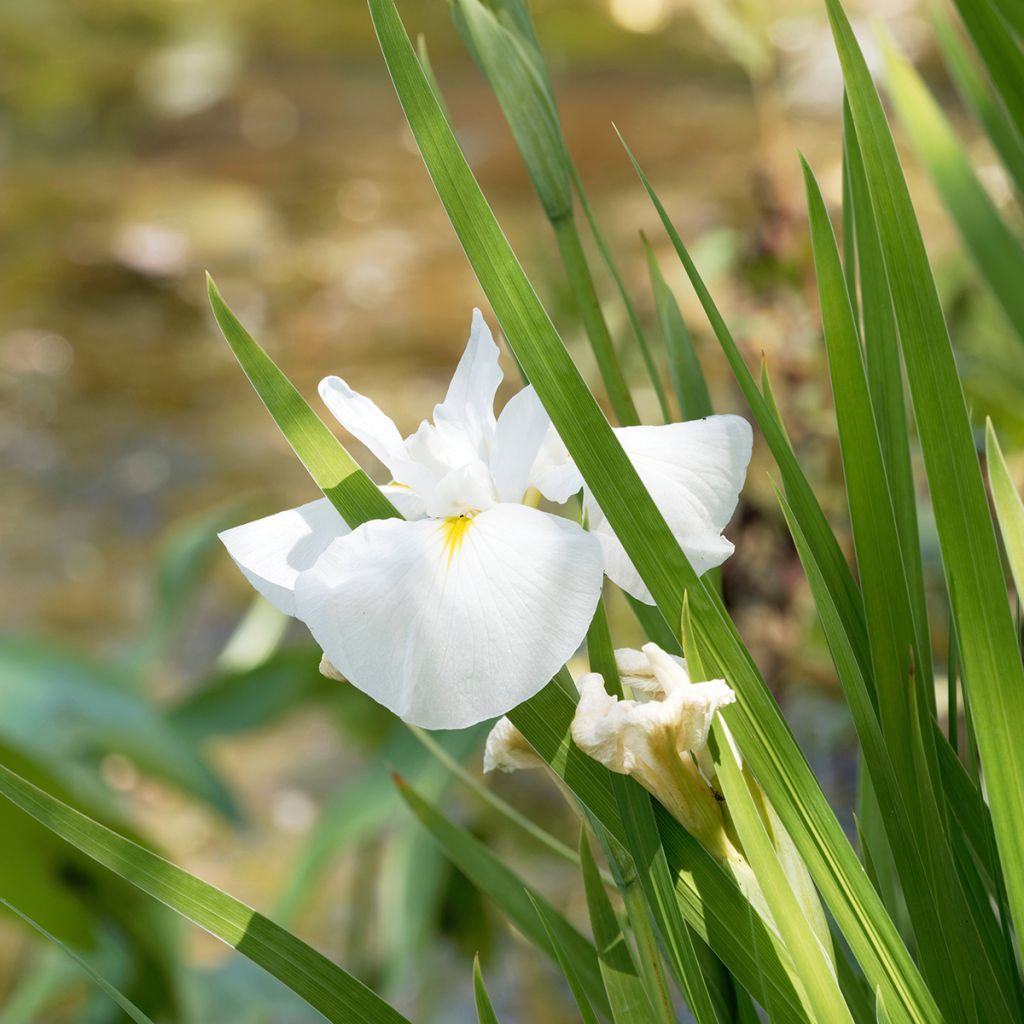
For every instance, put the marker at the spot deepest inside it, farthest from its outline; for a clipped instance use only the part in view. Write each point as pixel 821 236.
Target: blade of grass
pixel 566 966
pixel 484 1011
pixel 335 472
pixel 977 94
pixel 627 996
pixel 114 993
pixel 1000 52
pixel 811 967
pixel 1009 508
pixel 996 250
pixel 684 368
pixel 516 900
pixel 989 648
pixel 326 987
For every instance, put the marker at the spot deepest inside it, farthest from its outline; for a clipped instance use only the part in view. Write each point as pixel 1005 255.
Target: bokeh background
pixel 141 144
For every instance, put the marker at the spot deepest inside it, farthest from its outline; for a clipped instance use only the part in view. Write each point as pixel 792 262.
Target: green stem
pixel 582 284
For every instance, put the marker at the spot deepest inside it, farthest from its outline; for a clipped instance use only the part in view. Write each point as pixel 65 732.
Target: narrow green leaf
pixel 1009 508
pixel 976 92
pixel 687 376
pixel 991 657
pixel 115 994
pixel 579 992
pixel 1000 52
pixel 326 987
pixel 335 472
pixel 996 250
pixel 484 1011
pixel 516 899
pixel 627 997
pixel 812 968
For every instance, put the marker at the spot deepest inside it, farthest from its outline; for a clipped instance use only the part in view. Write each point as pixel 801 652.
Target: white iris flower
pixel 471 603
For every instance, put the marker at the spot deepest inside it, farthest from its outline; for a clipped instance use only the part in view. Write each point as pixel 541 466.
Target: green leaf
pixel 812 968
pixel 684 368
pixel 484 1011
pixel 1009 508
pixel 1000 53
pixel 565 964
pixel 977 93
pixel 325 986
pixel 626 994
pixel 993 674
pixel 996 250
pixel 115 994
pixel 503 886
pixel 335 472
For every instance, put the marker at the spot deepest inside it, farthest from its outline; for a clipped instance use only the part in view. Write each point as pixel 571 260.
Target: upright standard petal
pixel 361 417
pixel 450 622
pixel 694 471
pixel 520 432
pixel 468 408
pixel 271 552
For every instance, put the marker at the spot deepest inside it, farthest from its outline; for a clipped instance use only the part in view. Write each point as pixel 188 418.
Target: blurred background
pixel 141 144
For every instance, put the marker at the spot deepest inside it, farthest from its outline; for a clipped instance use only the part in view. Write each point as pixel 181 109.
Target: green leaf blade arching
pixel 335 472
pixel 991 658
pixel 326 987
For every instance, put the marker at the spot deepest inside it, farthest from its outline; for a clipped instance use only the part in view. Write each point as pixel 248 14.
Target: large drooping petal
pixel 362 418
pixel 467 412
pixel 271 552
pixel 520 432
pixel 694 471
pixel 450 622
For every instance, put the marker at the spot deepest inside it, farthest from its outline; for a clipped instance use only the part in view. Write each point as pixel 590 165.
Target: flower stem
pixel 578 271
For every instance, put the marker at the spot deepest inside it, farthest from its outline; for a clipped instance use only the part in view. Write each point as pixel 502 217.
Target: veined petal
pixel 521 430
pixel 468 407
pixel 362 418
pixel 271 552
pixel 451 622
pixel 694 472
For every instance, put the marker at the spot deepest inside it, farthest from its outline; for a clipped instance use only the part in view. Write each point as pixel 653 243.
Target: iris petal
pixel 450 622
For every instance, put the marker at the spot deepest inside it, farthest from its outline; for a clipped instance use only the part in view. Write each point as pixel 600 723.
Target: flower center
pixel 454 529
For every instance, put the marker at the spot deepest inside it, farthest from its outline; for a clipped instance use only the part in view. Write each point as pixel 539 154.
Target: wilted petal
pixel 468 406
pixel 451 622
pixel 271 552
pixel 638 671
pixel 506 749
pixel 694 471
pixel 655 742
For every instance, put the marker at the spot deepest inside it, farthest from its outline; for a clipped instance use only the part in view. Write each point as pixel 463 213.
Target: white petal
pixel 271 552
pixel 522 428
pixel 554 473
pixel 451 622
pixel 506 749
pixel 468 407
pixel 694 472
pixel 649 677
pixel 408 502
pixel 463 491
pixel 361 417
